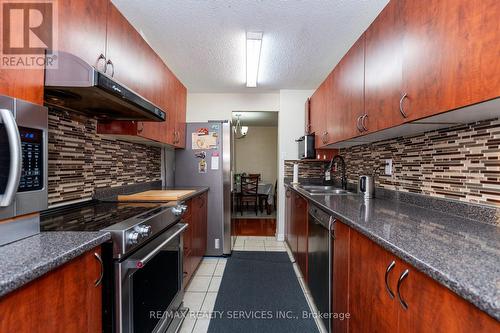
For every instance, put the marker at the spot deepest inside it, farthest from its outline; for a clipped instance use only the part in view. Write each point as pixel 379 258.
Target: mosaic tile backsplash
pixel 81 161
pixel 461 163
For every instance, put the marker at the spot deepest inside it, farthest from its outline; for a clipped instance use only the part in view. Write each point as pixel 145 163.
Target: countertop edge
pixel 17 281
pixel 470 295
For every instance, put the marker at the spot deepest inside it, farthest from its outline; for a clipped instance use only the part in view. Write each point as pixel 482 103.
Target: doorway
pixel 255 172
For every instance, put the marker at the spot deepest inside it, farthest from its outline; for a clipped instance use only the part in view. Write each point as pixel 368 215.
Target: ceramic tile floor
pixel 201 293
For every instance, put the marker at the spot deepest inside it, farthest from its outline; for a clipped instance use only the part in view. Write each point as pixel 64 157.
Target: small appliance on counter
pixel 23 168
pixel 306 147
pixel 366 186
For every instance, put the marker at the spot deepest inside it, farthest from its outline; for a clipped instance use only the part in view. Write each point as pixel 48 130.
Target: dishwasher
pixel 320 252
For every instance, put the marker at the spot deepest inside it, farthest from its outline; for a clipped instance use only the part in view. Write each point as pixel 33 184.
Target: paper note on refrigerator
pixel 215 162
pixel 204 141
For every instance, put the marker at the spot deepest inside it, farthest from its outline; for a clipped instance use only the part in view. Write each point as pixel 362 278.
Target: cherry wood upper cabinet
pixel 383 68
pixel 180 113
pixel 450 54
pixel 348 93
pixel 82 29
pixel 318 114
pixel 26 84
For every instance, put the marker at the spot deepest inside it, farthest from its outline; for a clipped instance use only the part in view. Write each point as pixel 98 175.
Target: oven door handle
pixel 175 231
pixel 16 161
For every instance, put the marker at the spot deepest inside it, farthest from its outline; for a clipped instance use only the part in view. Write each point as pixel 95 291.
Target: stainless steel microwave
pixel 23 166
pixel 306 147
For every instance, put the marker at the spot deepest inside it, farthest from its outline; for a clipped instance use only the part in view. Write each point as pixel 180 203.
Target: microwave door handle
pixel 141 262
pixel 9 122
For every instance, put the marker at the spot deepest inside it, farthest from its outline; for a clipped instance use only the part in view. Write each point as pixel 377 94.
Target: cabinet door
pixel 451 51
pixel 383 69
pixel 82 29
pixel 26 84
pixel 370 306
pixel 301 223
pixel 340 276
pixel 170 103
pixel 348 96
pixel 180 121
pixel 434 308
pixel 318 115
pixel 64 300
pixel 288 218
pixel 134 62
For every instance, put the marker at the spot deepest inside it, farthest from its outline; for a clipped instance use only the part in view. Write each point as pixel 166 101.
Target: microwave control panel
pixel 32 148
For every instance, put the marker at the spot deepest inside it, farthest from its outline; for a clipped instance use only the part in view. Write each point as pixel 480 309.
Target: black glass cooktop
pixel 92 215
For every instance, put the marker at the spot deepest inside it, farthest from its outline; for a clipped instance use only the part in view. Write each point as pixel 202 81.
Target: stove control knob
pixel 133 237
pixel 179 210
pixel 144 230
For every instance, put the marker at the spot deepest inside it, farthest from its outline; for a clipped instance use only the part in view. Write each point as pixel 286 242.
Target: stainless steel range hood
pixel 77 86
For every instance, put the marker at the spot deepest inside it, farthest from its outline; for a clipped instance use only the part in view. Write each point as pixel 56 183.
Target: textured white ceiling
pixel 203 41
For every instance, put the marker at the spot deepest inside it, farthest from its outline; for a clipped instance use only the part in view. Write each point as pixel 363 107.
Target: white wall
pixel 204 107
pixel 291 124
pixel 290 104
pixel 257 152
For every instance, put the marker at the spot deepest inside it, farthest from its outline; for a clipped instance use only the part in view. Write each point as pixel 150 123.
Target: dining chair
pixel 249 193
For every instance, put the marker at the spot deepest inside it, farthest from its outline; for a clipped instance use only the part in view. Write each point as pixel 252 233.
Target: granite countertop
pixel 459 253
pixel 27 259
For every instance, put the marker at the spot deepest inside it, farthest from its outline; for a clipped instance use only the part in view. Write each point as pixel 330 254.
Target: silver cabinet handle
pixel 386 278
pixel 101 275
pixel 403 113
pixel 141 128
pixel 16 161
pixel 325 137
pixel 400 281
pixel 363 118
pixel 109 62
pixel 101 57
pixel 358 124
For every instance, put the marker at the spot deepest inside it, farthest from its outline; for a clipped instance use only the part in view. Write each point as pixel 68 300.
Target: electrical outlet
pixel 217 243
pixel 388 167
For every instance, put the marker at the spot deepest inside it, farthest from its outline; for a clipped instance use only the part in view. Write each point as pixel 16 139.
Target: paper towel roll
pixel 296 173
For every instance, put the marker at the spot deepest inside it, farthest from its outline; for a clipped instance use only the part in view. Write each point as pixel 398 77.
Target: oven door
pixel 149 284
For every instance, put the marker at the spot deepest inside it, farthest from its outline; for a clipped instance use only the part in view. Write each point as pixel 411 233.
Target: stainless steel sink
pixel 324 190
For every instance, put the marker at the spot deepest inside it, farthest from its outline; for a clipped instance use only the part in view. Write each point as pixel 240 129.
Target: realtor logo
pixel 28 32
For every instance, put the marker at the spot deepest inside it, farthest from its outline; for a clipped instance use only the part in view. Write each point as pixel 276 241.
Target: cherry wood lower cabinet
pixel 64 300
pixel 374 304
pixel 340 278
pixel 195 237
pixel 297 229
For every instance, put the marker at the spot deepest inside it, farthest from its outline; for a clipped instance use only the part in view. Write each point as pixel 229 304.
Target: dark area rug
pixel 260 293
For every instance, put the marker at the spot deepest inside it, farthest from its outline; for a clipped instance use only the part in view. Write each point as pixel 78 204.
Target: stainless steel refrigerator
pixel 206 161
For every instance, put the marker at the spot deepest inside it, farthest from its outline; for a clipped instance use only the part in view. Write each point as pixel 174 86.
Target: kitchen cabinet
pixel 347 116
pixel 195 237
pixel 82 30
pixel 180 114
pixel 416 60
pixel 63 300
pixel 296 207
pixel 429 306
pixel 383 69
pixel 368 263
pixel 340 277
pixel 26 84
pixel 300 222
pixel 450 54
pixel 318 111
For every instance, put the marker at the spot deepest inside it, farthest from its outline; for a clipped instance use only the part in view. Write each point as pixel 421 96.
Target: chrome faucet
pixel 343 178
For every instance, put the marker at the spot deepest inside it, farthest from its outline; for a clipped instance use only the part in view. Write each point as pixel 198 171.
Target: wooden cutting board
pixel 157 195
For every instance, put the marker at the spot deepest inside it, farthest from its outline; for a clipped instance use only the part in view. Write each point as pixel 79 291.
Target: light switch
pixel 388 167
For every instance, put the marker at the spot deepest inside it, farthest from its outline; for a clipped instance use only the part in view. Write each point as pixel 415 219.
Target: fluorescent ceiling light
pixel 254 44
